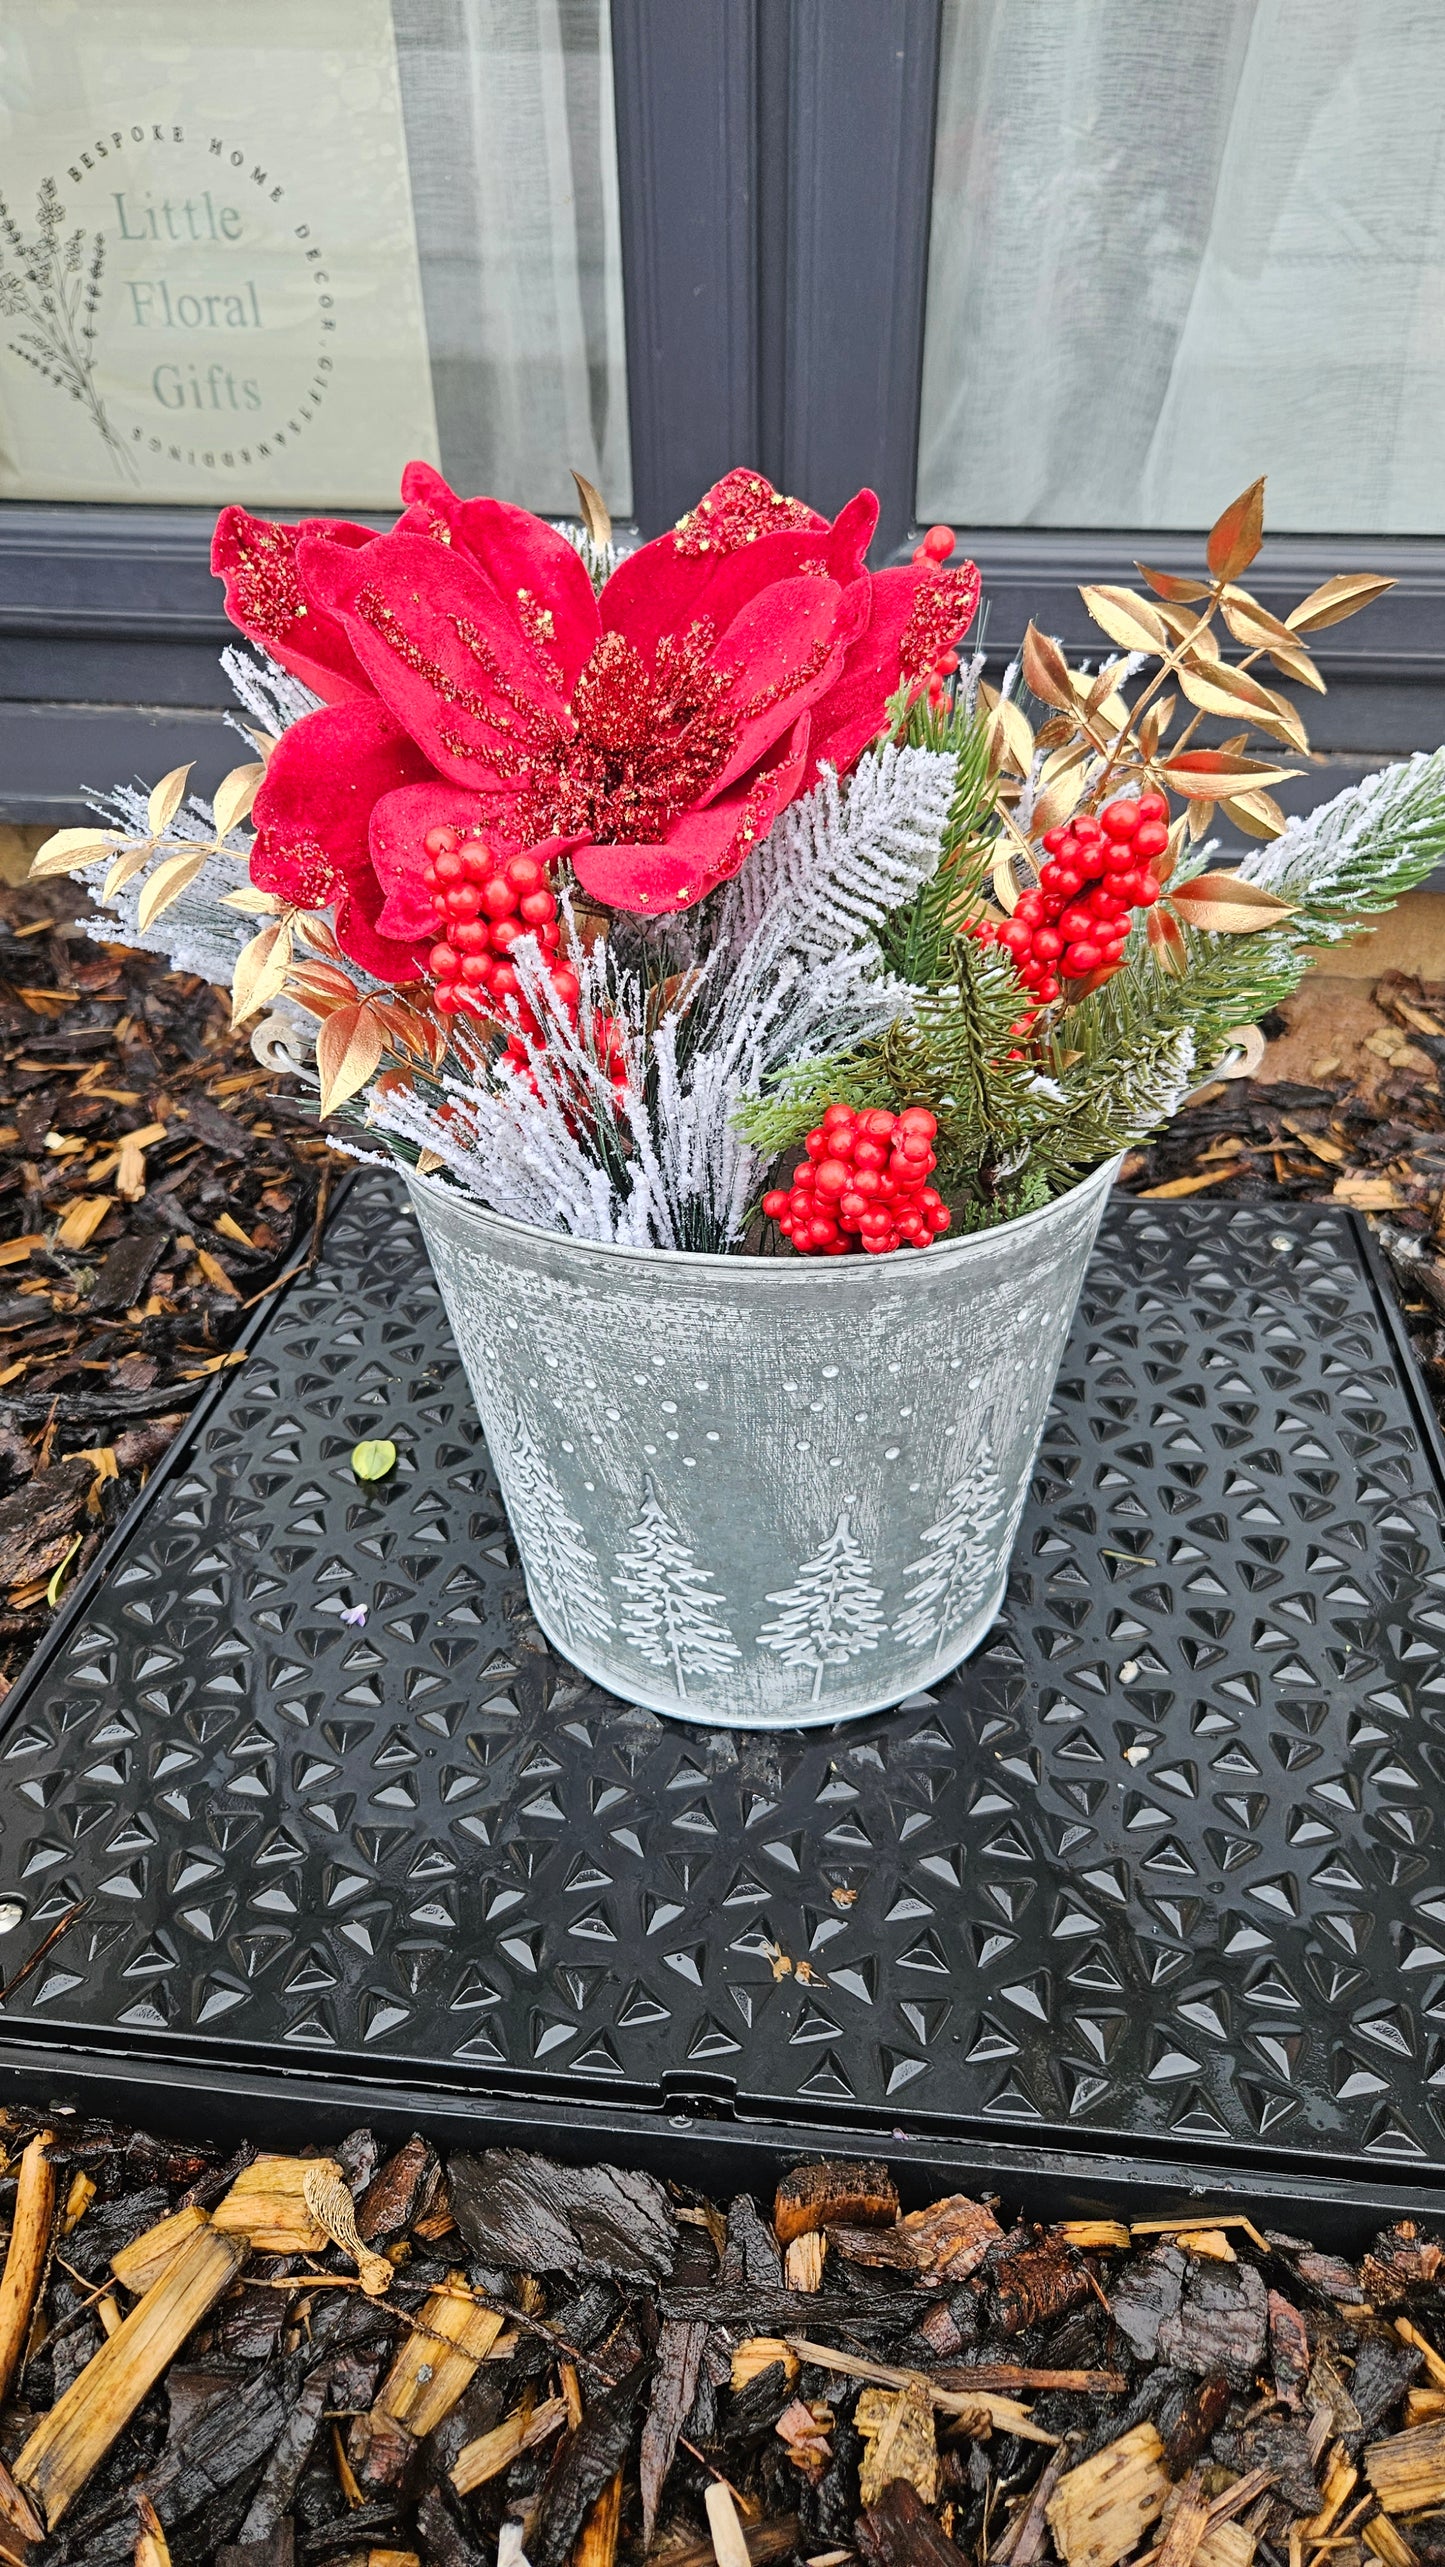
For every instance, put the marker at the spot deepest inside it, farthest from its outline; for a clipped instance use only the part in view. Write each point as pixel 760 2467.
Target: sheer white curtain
pixel 1180 242
pixel 511 143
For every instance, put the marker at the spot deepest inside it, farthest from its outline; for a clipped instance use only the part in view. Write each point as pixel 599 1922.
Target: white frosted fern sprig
pixel 1357 854
pixel 271 695
pixel 837 862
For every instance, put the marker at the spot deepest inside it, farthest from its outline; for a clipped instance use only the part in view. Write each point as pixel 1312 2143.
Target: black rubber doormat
pixel 1160 1869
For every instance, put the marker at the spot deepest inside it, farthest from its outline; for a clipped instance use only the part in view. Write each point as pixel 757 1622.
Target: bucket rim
pixel 941 1254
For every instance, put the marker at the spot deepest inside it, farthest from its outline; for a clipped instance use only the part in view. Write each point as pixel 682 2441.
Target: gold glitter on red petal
pixel 268 593
pixel 649 741
pixel 735 512
pixel 942 610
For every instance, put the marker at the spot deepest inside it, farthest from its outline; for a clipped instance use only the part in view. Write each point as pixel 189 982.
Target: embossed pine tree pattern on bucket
pixel 748 1491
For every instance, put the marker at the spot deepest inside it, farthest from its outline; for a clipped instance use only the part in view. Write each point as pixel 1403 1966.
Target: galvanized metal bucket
pixel 758 1492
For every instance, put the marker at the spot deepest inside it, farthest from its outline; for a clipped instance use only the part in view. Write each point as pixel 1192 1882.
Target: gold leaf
pixel 320 988
pixel 1224 690
pixel 316 931
pixel 1196 640
pixel 1155 723
pixel 166 798
pixel 1167 583
pixel 1058 804
pixel 1046 671
pixel 1335 599
pixel 128 862
pixel 1235 537
pixel 253 903
pixel 1228 905
pixel 373 1459
pixel 1011 724
pixel 1298 665
pixel 348 1049
pixel 595 514
pixel 1199 820
pixel 260 973
pixel 1166 942
pixel 1202 774
pixel 234 796
pixel 1127 619
pixel 68 848
pixel 166 884
pixel 1053 733
pixel 1250 622
pixel 1257 814
pixel 1005 881
pixel 265 744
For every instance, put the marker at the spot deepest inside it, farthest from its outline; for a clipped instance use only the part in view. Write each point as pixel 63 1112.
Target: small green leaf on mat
pixel 372 1460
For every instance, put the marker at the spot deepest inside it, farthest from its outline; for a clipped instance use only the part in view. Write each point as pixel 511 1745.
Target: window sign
pixel 209 280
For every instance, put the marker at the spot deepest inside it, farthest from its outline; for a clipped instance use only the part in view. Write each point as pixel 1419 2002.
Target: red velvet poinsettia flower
pixel 474 680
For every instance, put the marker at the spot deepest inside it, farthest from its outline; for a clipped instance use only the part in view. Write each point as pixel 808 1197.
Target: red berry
pixel 938 543
pixel 1048 943
pixel 1030 908
pixel 469 936
pixel 537 907
pixel 498 898
pixel 442 841
pixel 524 873
pixel 1082 959
pixel 851 1208
pixel 832 1176
pixel 1086 829
pixel 1150 839
pixel 566 984
pixel 870 1154
pixel 444 961
pixel 1067 880
pixel 1152 806
pixel 476 970
pixel 1146 891
pixel 449 866
pixel 464 901
pixel 1119 819
pixel 877 1124
pixel 775 1204
pixel 916 1118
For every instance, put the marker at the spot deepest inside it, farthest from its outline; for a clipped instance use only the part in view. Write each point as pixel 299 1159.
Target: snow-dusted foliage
pixel 779 967
pixel 1359 852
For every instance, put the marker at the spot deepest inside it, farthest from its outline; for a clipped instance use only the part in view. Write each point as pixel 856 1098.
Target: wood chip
pixel 1107 2234
pixel 1100 2511
pixel 1407 2470
pixel 491 2453
pixel 803 2261
pixel 425 2380
pixel 729 2547
pixel 596 2544
pixel 852 2192
pixel 267 2205
pixel 899 2440
pixel 25 2256
pixel 1388 2542
pixel 1434 2364
pixel 142 2263
pixel 1186 1185
pixel 74 2438
pixel 1004 2414
pixel 759 2353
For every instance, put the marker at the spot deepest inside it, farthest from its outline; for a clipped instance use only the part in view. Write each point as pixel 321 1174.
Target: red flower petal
pixel 785 649
pixel 313 815
pixel 257 561
pixel 538 577
pixel 855 710
pixel 702 849
pixel 397 848
pixel 454 668
pixel 853 531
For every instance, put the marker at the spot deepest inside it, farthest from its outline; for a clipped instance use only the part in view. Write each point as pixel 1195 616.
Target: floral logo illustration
pixel 51 285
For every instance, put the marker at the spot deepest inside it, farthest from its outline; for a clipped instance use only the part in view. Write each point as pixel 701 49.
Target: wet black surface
pixel 1159 1868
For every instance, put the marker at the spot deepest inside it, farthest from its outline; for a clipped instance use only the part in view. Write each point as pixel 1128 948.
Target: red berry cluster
pixel 1097 874
pixel 865 1174
pixel 484 903
pixel 933 552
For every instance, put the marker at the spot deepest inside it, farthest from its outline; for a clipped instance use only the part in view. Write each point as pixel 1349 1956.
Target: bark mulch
pixel 387 2361
pixel 152 1191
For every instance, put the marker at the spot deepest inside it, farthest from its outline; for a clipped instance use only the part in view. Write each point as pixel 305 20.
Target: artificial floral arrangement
pixel 708 900
pixel 609 882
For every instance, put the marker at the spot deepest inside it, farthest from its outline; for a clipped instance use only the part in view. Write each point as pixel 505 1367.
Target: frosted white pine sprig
pixel 271 695
pixel 782 967
pixel 1358 853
